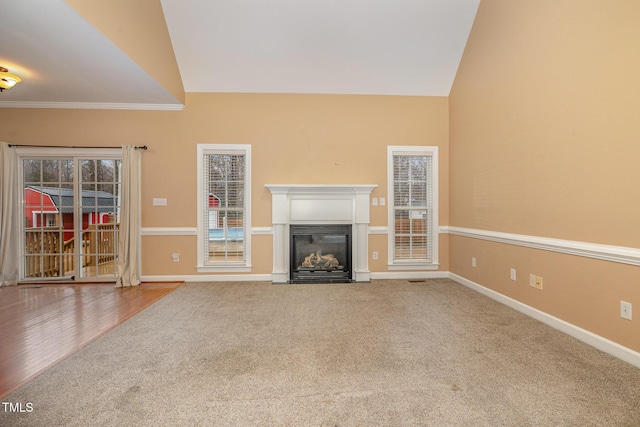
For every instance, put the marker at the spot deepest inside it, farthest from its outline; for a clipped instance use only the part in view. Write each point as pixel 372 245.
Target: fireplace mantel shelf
pixel 320 188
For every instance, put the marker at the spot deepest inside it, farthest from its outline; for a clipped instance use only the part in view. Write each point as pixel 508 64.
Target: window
pixel 413 207
pixel 224 194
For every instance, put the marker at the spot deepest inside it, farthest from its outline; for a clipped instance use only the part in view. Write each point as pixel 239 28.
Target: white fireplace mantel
pixel 320 204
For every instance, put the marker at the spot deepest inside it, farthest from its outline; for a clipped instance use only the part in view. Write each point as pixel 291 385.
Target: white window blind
pixel 224 207
pixel 413 207
pixel 224 220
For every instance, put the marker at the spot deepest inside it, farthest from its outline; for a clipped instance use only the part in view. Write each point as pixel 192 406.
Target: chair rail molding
pixel 168 231
pixel 620 254
pixel 192 231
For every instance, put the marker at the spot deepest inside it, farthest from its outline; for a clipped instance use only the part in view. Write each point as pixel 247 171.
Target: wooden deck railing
pixel 48 255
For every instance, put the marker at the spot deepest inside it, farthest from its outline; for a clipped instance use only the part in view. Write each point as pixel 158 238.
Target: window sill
pixel 413 266
pixel 223 269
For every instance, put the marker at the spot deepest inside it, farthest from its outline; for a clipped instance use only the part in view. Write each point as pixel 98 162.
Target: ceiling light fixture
pixel 7 81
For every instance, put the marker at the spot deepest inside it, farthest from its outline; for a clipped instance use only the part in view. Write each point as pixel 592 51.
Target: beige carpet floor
pixel 388 353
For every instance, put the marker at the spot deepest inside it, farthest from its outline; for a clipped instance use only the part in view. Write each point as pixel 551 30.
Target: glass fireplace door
pixel 320 253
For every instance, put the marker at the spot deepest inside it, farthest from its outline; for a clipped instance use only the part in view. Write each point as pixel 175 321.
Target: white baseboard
pixel 399 275
pixel 621 352
pixel 269 277
pixel 210 278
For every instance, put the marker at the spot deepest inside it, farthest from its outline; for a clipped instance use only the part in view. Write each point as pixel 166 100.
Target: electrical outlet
pixel 374 201
pixel 159 201
pixel 382 201
pixel 175 256
pixel 375 254
pixel 532 280
pixel 513 274
pixel 538 282
pixel 473 262
pixel 625 310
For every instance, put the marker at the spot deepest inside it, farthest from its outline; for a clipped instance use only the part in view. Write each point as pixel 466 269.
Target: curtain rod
pixel 143 147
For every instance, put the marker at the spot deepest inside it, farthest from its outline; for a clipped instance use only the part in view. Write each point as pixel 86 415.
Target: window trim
pixel 227 267
pixel 393 264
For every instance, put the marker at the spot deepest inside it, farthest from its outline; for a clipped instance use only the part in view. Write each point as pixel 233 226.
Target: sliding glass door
pixel 98 216
pixel 71 209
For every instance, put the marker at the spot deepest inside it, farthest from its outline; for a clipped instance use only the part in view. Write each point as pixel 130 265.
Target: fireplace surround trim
pixel 320 204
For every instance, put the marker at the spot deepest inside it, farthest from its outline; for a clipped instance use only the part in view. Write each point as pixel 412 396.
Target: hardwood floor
pixel 41 325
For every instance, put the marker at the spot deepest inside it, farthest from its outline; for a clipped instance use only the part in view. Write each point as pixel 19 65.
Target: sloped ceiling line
pixel 379 47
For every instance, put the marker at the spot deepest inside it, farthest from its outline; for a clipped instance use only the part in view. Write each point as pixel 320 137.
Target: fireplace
pixel 320 253
pixel 320 205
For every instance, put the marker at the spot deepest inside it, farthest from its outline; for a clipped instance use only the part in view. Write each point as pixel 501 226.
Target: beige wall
pixel 544 141
pixel 308 139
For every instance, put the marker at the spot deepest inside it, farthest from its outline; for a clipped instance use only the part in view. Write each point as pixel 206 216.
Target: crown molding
pixel 92 106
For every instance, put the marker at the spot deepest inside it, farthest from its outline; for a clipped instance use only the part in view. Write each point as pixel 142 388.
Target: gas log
pixel 320 262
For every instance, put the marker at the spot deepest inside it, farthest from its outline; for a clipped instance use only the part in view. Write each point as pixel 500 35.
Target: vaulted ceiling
pixel 146 54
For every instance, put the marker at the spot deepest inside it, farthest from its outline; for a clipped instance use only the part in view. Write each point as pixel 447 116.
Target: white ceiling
pixel 388 47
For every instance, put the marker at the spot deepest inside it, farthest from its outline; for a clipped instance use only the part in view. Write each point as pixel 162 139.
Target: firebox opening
pixel 320 253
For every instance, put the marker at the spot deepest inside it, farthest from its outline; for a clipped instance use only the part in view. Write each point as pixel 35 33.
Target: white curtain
pixel 128 237
pixel 9 216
